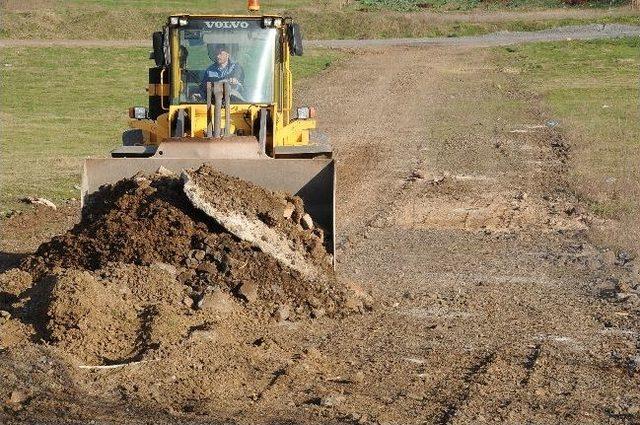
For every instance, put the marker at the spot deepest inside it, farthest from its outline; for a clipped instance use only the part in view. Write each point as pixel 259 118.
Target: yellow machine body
pixel 167 81
pixel 291 133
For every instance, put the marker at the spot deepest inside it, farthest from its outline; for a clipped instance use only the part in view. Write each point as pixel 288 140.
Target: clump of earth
pixel 146 271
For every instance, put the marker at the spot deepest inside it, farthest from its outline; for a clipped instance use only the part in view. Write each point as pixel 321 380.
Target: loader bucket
pixel 313 180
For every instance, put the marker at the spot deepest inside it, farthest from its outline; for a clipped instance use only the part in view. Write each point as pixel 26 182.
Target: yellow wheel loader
pixel 221 93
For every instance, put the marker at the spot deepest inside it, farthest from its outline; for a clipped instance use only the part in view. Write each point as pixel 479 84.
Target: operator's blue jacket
pixel 214 74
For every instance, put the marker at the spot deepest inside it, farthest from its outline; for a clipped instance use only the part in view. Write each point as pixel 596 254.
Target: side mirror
pixel 158 48
pixel 295 40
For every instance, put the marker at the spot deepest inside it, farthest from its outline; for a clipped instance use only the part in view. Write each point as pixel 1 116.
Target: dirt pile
pixel 118 315
pixel 144 221
pixel 277 225
pixel 144 270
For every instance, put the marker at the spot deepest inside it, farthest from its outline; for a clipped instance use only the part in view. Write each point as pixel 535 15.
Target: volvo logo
pixel 226 24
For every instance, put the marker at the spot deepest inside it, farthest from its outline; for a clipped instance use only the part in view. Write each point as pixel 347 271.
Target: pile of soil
pixel 277 225
pixel 144 269
pixel 277 210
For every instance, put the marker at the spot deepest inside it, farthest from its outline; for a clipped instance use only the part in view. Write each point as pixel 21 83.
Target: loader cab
pixel 259 50
pixel 243 51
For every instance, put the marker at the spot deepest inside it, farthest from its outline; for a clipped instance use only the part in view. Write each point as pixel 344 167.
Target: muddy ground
pixel 453 213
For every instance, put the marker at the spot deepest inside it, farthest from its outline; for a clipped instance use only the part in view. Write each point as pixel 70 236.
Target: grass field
pixel 591 88
pixel 415 5
pixel 60 105
pixel 326 19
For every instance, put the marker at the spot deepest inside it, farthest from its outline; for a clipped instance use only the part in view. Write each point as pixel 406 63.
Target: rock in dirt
pixel 438 179
pixel 18 397
pixel 255 215
pixel 282 313
pixel 197 254
pixel 167 267
pixel 609 257
pixel 217 302
pixel 358 299
pixel 288 210
pixel 358 377
pixel 307 222
pixel 162 171
pixel 623 286
pixel 207 267
pixel 416 175
pixel 623 258
pixel 249 291
pixel 39 201
pixel 332 400
pixel 318 312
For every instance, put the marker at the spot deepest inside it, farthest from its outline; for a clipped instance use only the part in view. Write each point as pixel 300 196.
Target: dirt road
pixel 491 304
pixel 573 32
pixel 493 294
pixel 502 38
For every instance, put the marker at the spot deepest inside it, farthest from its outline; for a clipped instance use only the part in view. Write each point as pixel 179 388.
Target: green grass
pixel 396 5
pixel 417 5
pixel 375 26
pixel 326 19
pixel 60 105
pixel 314 61
pixel 592 88
pixel 237 6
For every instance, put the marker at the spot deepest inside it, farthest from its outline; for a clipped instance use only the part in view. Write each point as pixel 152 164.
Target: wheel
pixel 132 137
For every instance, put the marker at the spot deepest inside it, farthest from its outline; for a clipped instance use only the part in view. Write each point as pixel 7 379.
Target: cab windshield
pixel 240 52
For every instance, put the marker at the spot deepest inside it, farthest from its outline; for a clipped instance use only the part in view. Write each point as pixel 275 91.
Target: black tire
pixel 132 137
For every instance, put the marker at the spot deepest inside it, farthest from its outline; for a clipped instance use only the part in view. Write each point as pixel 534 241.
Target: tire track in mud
pixel 530 363
pixel 368 189
pixel 518 191
pixel 382 214
pixel 469 379
pixel 510 371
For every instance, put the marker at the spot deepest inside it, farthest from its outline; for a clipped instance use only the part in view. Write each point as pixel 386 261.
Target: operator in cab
pixel 222 69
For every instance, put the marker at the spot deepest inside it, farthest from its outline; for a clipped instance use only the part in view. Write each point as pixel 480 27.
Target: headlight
pixel 177 21
pixel 138 112
pixel 267 22
pixel 277 22
pixel 306 112
pixel 303 113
